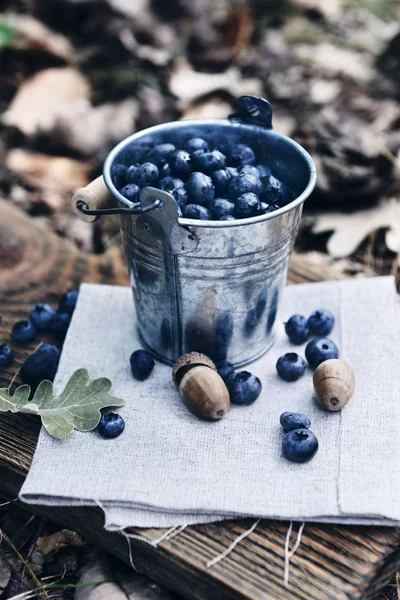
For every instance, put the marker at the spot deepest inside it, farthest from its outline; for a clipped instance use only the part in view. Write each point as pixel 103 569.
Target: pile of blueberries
pixel 221 184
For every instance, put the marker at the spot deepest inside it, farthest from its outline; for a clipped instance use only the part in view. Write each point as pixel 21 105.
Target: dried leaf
pixel 214 108
pixel 78 406
pixel 331 61
pixel 56 177
pixel 349 230
pixel 41 98
pixel 5 573
pixel 188 85
pixel 330 9
pixel 58 540
pixel 31 34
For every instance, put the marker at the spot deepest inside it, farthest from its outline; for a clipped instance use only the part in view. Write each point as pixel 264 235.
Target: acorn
pixel 203 390
pixel 334 382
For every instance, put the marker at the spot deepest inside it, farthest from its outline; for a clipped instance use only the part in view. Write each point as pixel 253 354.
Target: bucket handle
pixel 254 111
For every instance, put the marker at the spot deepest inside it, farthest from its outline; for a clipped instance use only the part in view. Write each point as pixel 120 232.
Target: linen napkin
pixel 171 468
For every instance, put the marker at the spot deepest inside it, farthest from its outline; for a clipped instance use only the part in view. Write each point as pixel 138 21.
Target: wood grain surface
pixel 332 562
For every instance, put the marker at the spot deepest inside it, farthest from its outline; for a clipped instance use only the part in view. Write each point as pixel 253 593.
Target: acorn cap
pixel 187 361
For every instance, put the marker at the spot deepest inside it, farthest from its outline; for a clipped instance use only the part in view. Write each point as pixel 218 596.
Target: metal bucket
pixel 211 286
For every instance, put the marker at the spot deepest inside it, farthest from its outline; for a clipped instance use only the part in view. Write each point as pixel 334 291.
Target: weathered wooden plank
pixel 332 563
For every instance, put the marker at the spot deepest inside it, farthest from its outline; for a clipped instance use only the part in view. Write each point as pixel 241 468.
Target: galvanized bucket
pixel 211 286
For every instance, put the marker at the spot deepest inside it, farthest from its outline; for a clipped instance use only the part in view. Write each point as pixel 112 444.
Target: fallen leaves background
pixel 79 75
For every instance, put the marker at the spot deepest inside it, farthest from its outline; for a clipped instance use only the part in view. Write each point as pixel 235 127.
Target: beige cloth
pixel 170 468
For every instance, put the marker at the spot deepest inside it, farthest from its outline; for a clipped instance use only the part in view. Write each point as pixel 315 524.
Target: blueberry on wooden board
pixel 299 445
pixel 111 425
pixel 42 316
pixel 24 332
pixel 297 329
pixel 60 325
pixel 291 420
pixel 41 365
pixel 6 355
pixel 68 302
pixel 142 364
pixel 290 366
pixel 321 322
pixel 320 349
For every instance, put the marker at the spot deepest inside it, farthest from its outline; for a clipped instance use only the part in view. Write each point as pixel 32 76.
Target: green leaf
pixel 6 35
pixel 77 407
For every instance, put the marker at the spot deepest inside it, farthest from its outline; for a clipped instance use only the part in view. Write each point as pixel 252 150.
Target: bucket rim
pixel 210 122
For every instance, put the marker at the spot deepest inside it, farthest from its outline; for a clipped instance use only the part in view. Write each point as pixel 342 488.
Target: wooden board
pixel 332 562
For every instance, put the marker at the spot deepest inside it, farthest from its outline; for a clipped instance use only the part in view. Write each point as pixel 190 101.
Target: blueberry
pixel 291 420
pixel 159 155
pixel 225 369
pixel 321 322
pixel 130 174
pixel 268 208
pixel 200 189
pixel 221 207
pixel 24 332
pixel 299 445
pixel 68 302
pixel 244 183
pixel 221 179
pixel 297 329
pixel 41 365
pixel 244 388
pixel 42 316
pixel 135 153
pixel 290 366
pixel 196 211
pixel 181 196
pixel 274 192
pixel 142 364
pixel 118 173
pixel 131 192
pixel 145 174
pixel 6 355
pixel 208 160
pixel 196 144
pixel 180 164
pixel 263 171
pixel 247 205
pixel 240 154
pixel 164 171
pixel 111 425
pixel 169 184
pixel 227 218
pixel 233 172
pixel 60 325
pixel 320 349
pixel 250 169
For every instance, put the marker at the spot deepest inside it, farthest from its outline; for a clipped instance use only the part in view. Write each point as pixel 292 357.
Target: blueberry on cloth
pixel 297 329
pixel 146 174
pixel 321 322
pixel 299 445
pixel 68 302
pixel 160 154
pixel 221 207
pixel 225 369
pixel 142 364
pixel 291 420
pixel 227 218
pixel 41 365
pixel 111 425
pixel 169 184
pixel 320 349
pixel 6 355
pixel 274 192
pixel 243 183
pixel 60 325
pixel 118 173
pixel 240 154
pixel 130 174
pixel 131 192
pixel 42 316
pixel 221 179
pixel 243 387
pixel 290 366
pixel 247 205
pixel 200 189
pixel 196 144
pixel 208 160
pixel 24 332
pixel 180 164
pixel 196 211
